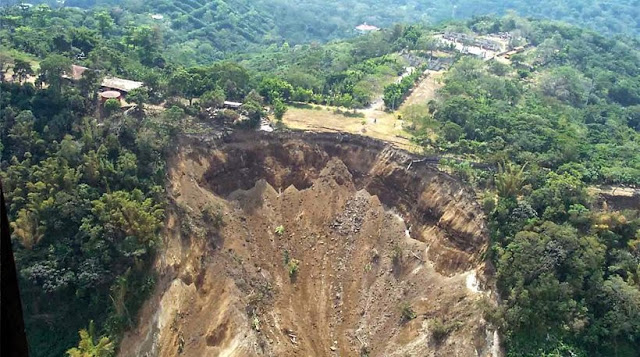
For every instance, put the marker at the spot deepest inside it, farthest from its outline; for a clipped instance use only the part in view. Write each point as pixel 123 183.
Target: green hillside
pixel 85 180
pixel 199 31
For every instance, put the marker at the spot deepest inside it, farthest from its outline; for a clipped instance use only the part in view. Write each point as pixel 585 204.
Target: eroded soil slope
pixel 326 243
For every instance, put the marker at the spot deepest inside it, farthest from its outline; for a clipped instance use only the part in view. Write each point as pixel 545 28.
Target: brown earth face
pixel 330 245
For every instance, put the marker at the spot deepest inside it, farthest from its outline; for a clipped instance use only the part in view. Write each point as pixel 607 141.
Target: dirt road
pixel 376 123
pixel 425 90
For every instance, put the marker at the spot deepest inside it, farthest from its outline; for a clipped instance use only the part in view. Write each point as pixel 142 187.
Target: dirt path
pixel 376 123
pixel 617 197
pixel 425 90
pixel 377 105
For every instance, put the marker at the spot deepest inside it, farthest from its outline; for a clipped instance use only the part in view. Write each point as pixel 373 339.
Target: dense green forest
pixel 86 203
pixel 562 116
pixel 574 100
pixel 85 183
pixel 198 31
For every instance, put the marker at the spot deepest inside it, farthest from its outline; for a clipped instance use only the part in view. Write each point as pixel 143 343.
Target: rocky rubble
pixel 313 258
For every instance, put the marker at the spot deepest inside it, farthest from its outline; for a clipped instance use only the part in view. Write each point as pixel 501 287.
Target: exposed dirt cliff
pixel 315 245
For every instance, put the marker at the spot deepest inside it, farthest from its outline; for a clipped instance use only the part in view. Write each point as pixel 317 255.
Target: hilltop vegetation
pixel 572 100
pixel 86 202
pixel 85 182
pixel 198 31
pixel 562 115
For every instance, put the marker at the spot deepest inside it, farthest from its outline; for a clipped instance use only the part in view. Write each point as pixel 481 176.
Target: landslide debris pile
pixel 315 245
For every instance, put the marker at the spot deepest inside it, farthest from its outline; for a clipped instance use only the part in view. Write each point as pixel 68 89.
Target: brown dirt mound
pixel 328 245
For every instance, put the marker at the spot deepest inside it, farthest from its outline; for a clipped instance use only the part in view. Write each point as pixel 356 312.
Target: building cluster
pixel 471 40
pixel 507 36
pixel 110 87
pixel 440 64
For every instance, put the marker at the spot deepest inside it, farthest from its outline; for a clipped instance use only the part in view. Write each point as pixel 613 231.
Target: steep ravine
pixel 373 230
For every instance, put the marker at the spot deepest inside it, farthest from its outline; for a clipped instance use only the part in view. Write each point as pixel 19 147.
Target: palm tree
pixel 509 180
pixel 87 346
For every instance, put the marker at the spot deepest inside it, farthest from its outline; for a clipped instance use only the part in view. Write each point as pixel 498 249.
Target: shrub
pixel 213 215
pixel 452 131
pixel 407 313
pixel 186 226
pixel 348 114
pixel 489 203
pixel 293 267
pixel 396 254
pixel 255 323
pixel 111 106
pixel 279 109
pixel 212 99
pixel 227 115
pixel 440 330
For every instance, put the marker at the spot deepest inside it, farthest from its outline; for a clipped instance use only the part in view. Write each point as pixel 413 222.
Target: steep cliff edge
pixel 315 245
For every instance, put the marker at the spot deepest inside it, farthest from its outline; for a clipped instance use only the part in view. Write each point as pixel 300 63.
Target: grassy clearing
pixel 376 124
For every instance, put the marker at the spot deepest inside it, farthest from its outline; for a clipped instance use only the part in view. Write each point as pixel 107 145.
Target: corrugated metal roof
pixel 120 84
pixel 123 85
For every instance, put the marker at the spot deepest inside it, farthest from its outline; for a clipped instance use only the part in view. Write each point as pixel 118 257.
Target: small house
pixel 232 105
pixel 364 28
pixel 123 86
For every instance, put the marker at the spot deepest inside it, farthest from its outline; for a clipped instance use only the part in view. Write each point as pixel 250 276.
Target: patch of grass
pixel 396 254
pixel 237 258
pixel 440 330
pixel 213 215
pixel 293 267
pixel 407 313
pixel 279 230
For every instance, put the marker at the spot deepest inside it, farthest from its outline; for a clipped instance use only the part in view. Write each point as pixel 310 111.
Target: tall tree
pixel 105 22
pixel 90 83
pixel 140 97
pixel 52 68
pixel 22 70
